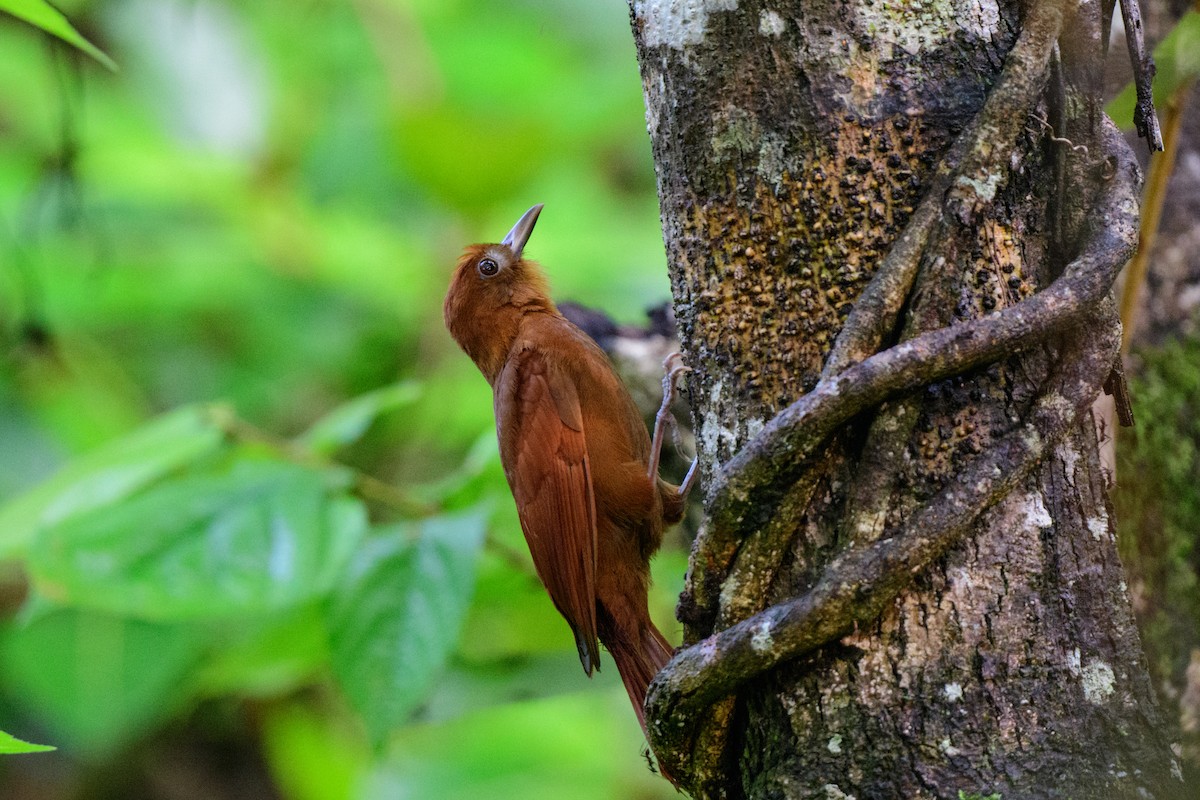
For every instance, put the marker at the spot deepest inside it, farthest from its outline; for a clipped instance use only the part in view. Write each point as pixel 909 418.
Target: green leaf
pixel 398 619
pixel 348 422
pixel 268 657
pixel 97 681
pixel 260 537
pixel 110 474
pixel 11 744
pixel 1177 59
pixel 42 15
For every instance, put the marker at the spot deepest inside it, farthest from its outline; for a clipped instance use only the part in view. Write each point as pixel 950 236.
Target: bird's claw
pixel 673 366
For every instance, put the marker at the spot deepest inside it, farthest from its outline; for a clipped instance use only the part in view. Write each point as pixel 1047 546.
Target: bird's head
pixel 492 286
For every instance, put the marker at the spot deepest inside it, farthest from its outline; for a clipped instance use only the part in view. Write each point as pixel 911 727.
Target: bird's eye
pixel 488 267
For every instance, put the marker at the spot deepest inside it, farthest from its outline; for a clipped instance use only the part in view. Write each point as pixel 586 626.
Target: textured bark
pixel 794 142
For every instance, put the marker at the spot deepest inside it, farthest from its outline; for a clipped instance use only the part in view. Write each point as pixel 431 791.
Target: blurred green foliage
pixel 243 464
pixel 1158 506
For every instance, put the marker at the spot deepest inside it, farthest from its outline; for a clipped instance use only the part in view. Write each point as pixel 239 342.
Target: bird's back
pixel 618 443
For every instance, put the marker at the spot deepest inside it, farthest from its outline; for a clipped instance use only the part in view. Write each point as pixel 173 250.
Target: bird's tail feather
pixel 639 658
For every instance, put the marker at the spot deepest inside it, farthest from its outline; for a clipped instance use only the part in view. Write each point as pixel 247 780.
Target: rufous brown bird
pixel 582 469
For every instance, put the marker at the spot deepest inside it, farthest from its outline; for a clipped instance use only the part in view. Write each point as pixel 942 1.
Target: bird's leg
pixel 674 366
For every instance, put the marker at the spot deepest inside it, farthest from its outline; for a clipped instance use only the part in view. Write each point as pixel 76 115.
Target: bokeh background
pixel 254 537
pixel 305 581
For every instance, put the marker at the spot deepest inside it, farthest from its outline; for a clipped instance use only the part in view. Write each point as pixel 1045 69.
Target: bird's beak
pixel 519 234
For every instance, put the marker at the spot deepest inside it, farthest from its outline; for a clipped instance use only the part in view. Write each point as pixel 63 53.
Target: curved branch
pixel 976 156
pixel 1144 117
pixel 978 153
pixel 857 585
pixel 691 702
pixel 860 582
pixel 749 488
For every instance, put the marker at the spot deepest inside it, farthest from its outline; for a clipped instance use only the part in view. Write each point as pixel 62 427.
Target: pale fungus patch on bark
pixel 710 433
pixel 677 23
pixel 715 438
pixel 735 133
pixel 771 24
pixel 761 641
pixel 947 747
pixel 1032 510
pixel 832 792
pixel 984 187
pixel 835 744
pixel 1070 458
pixel 953 692
pixel 1098 528
pixel 1031 437
pixel 1098 679
pixel 730 591
pixel 772 159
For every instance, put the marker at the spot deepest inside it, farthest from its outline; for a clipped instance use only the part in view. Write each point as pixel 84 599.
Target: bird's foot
pixel 673 366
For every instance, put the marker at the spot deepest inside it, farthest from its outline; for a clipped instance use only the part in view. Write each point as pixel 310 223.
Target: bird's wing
pixel 544 451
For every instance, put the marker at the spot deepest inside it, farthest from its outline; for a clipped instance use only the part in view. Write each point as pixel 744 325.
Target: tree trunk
pixel 907 585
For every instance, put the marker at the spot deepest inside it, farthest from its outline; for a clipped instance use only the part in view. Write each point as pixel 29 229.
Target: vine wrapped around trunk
pixel 892 232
